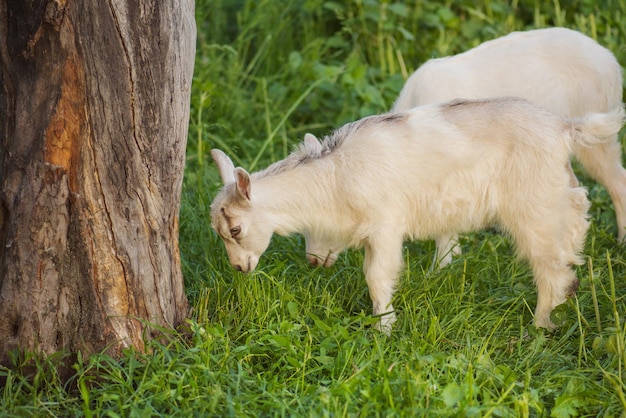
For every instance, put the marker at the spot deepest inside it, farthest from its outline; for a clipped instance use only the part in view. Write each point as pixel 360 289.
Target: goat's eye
pixel 235 231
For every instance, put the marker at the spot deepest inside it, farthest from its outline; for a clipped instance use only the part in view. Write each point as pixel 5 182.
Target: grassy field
pixel 291 340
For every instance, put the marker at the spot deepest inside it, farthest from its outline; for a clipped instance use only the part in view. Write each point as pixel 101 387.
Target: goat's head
pixel 234 219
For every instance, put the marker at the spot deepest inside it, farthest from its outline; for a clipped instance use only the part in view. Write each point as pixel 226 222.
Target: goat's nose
pixel 238 267
pixel 314 261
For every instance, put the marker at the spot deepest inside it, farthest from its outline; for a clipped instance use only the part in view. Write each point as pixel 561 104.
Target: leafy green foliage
pixel 289 340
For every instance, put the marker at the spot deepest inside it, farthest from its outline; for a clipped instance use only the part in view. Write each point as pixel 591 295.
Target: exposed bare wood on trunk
pixel 94 111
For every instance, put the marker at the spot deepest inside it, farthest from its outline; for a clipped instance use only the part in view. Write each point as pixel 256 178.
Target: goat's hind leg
pixel 551 239
pixel 555 282
pixel 447 246
pixel 604 163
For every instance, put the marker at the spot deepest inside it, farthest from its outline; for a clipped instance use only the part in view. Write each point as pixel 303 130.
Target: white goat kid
pixel 559 69
pixel 440 170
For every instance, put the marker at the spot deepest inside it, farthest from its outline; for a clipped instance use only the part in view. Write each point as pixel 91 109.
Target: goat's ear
pixel 225 166
pixel 312 141
pixel 243 182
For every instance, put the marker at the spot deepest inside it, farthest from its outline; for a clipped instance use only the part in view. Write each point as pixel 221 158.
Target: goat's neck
pixel 294 202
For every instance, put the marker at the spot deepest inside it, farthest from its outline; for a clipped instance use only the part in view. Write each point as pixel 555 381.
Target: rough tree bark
pixel 94 112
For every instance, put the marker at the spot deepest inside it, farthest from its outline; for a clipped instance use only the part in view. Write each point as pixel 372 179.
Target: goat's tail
pixel 595 128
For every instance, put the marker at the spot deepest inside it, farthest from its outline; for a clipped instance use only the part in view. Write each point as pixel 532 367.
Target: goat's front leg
pixel 383 261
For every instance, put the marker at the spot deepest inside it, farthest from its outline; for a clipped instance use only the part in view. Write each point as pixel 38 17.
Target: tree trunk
pixel 94 113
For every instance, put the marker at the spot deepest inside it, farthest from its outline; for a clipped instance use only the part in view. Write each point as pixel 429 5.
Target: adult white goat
pixel 559 69
pixel 434 170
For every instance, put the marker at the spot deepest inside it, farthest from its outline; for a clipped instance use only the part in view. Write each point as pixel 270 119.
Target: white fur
pixel 432 171
pixel 559 69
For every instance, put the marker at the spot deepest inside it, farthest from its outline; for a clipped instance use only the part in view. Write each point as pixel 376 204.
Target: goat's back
pixel 557 68
pixel 434 157
pixel 441 138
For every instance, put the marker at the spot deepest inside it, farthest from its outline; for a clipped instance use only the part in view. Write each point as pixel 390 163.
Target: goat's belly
pixel 451 217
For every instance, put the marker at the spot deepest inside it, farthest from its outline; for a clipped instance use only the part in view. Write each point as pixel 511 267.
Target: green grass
pixel 289 340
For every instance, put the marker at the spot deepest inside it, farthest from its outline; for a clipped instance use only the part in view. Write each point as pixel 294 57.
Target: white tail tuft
pixel 594 128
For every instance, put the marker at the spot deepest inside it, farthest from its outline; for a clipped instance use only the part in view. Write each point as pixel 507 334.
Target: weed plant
pixel 291 340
